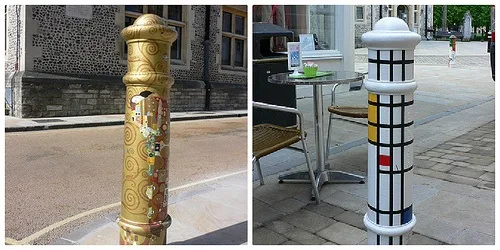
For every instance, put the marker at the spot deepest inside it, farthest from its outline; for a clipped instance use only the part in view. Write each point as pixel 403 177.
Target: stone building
pixel 68 60
pixel 416 16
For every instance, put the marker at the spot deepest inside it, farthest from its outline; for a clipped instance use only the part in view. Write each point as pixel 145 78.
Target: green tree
pixel 455 14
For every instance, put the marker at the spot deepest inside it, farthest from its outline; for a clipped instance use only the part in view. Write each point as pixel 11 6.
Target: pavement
pixel 454 161
pixel 212 212
pixel 14 124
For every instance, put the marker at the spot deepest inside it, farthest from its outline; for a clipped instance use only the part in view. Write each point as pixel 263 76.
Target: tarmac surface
pixel 454 173
pixel 74 177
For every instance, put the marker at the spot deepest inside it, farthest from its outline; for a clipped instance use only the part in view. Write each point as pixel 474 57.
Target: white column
pixel 391 85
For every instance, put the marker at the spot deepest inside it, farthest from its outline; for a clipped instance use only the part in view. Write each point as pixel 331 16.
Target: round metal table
pixel 323 174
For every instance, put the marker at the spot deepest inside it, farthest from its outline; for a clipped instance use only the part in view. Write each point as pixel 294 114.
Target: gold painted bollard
pixel 143 219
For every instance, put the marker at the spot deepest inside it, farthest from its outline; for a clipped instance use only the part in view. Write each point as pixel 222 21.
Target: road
pixel 55 174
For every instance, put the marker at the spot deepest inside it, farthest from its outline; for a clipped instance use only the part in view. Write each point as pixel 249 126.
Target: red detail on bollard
pixel 385 160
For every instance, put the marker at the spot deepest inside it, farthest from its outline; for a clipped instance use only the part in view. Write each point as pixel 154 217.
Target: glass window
pixel 155 9
pixel 175 50
pixel 175 12
pixel 233 49
pixel 227 22
pixel 322 25
pixel 134 8
pixel 239 52
pixel 360 15
pixel 226 51
pixel 240 25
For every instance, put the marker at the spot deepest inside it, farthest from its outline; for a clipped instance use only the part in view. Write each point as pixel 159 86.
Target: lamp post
pixel 390 85
pixel 143 219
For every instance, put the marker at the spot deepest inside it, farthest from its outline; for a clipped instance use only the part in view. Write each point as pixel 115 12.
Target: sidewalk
pixel 454 176
pixel 210 213
pixel 13 124
pixel 453 199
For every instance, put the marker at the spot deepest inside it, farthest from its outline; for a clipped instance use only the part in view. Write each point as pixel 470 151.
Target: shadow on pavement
pixel 232 235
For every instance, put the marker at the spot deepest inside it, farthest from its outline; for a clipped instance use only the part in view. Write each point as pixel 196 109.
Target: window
pixel 415 15
pixel 322 25
pixel 360 13
pixel 234 39
pixel 174 16
pixel 318 20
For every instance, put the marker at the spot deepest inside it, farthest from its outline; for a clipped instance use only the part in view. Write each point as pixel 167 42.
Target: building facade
pixel 68 60
pixel 417 17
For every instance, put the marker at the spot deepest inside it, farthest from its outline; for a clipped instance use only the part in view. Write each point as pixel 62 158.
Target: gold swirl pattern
pixel 131 167
pixel 130 133
pixel 130 200
pixel 152 48
pixel 147 124
pixel 141 149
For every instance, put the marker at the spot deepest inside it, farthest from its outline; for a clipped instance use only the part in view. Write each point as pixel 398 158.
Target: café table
pixel 324 173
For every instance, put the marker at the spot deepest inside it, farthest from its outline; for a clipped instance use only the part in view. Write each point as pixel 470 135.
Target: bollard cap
pixel 149 26
pixel 391 33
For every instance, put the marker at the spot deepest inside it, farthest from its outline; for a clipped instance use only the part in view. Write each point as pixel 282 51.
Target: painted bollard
pixel 390 86
pixel 143 218
pixel 453 50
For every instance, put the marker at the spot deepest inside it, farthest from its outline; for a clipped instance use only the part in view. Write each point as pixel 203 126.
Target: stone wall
pixel 91 47
pixel 13 32
pixel 50 95
pixel 362 27
pixel 227 96
pixel 53 95
pixel 72 45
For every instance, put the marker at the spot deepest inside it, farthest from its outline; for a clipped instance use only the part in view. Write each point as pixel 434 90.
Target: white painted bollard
pixel 390 84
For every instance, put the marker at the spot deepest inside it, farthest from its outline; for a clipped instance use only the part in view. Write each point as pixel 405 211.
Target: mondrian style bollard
pixel 143 218
pixel 390 86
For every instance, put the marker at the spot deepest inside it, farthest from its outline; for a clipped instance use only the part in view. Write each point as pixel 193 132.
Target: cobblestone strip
pixel 468 159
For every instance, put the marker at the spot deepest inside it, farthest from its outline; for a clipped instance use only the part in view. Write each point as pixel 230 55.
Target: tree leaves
pixel 455 14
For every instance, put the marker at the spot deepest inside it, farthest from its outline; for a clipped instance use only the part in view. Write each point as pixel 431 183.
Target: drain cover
pixel 48 120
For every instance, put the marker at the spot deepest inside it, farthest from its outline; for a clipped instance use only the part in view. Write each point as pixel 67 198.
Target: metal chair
pixel 348 111
pixel 269 138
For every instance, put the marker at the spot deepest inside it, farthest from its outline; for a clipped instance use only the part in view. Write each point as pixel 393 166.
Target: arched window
pixel 403 13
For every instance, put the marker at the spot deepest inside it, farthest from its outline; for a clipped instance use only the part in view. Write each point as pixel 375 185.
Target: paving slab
pixel 343 234
pixel 308 220
pixel 264 236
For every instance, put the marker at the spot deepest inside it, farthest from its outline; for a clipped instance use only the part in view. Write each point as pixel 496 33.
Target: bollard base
pixel 132 233
pixel 388 235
